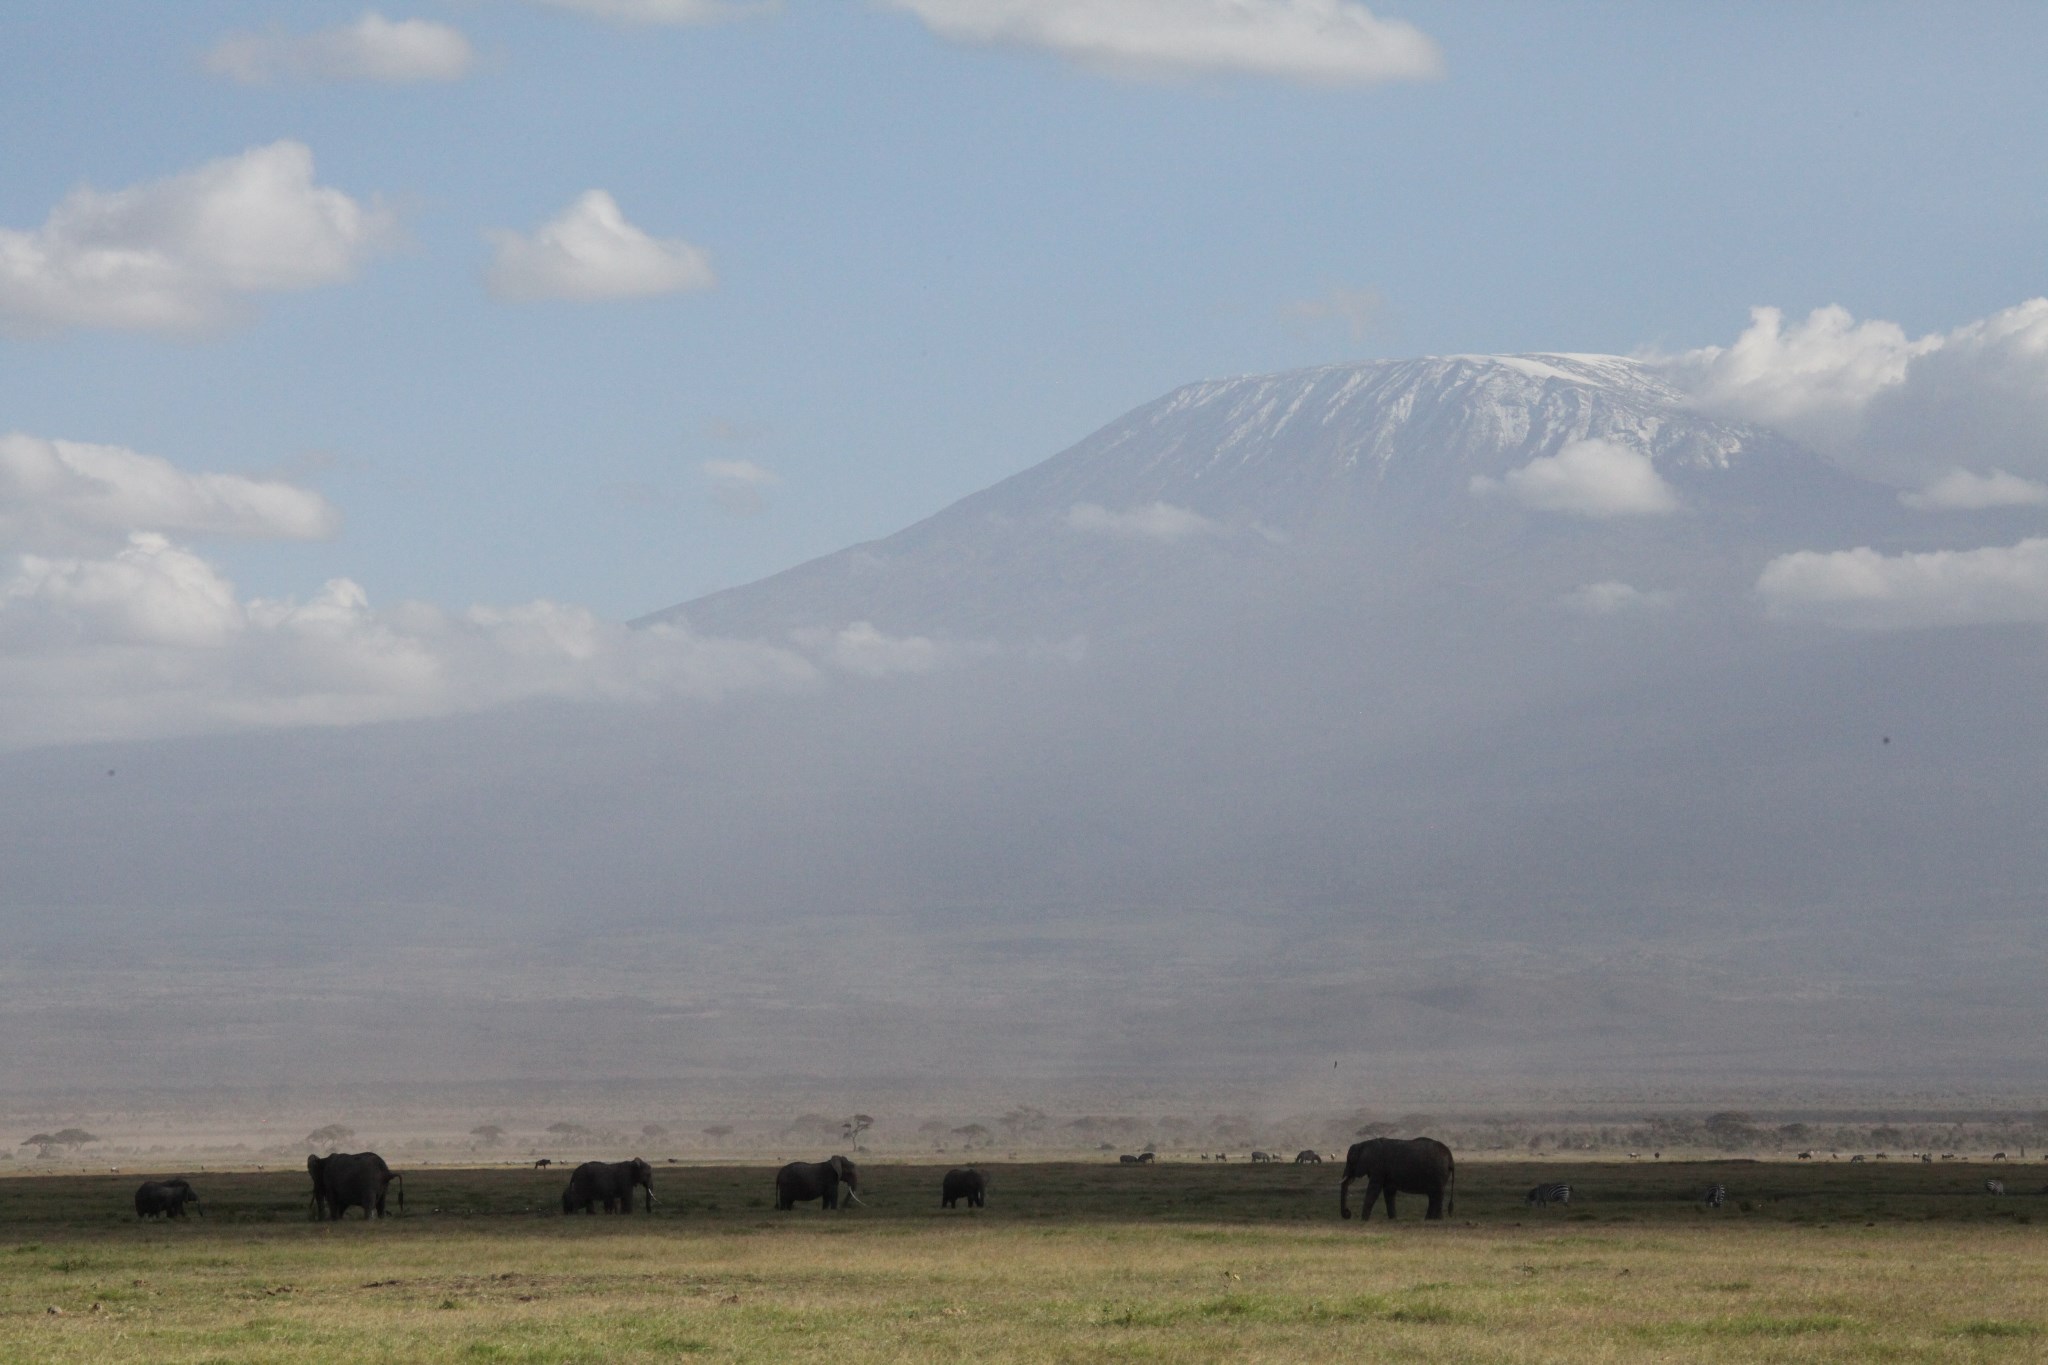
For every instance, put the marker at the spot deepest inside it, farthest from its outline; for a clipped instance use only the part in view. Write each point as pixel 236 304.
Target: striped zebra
pixel 1994 1187
pixel 1550 1194
pixel 1714 1196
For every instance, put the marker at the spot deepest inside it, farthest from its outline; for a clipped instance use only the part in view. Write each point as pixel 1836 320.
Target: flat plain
pixel 1070 1261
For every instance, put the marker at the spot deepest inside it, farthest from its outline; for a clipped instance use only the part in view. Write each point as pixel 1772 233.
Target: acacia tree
pixel 490 1134
pixel 854 1126
pixel 974 1135
pixel 332 1135
pixel 718 1132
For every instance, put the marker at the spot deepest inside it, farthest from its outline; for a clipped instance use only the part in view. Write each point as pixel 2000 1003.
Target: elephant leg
pixel 1436 1205
pixel 1372 1197
pixel 1390 1202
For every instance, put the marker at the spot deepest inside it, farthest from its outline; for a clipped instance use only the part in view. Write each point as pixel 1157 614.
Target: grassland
pixel 1070 1262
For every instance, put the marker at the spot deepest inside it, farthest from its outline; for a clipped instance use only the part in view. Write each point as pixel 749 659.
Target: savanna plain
pixel 1070 1261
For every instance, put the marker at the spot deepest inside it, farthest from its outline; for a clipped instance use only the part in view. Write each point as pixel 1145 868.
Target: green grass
pixel 1080 1261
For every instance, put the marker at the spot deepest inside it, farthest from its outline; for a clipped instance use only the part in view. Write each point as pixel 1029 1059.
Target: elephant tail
pixel 1451 1190
pixel 398 1178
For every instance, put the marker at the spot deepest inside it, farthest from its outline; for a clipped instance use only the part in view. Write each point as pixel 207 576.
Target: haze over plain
pixel 1519 718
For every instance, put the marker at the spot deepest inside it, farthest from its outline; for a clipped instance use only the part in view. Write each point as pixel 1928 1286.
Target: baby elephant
pixel 165 1198
pixel 964 1182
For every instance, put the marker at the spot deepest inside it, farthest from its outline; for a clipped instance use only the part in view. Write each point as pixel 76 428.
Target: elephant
pixel 166 1198
pixel 1308 1156
pixel 351 1180
pixel 609 1183
pixel 964 1182
pixel 1411 1166
pixel 803 1181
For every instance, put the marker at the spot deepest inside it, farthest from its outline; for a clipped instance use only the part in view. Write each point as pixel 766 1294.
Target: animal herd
pixel 1389 1166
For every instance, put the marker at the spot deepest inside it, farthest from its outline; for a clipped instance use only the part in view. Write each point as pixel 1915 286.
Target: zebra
pixel 1994 1187
pixel 1550 1194
pixel 1714 1196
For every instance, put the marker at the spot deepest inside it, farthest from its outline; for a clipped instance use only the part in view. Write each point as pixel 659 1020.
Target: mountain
pixel 1419 717
pixel 1344 462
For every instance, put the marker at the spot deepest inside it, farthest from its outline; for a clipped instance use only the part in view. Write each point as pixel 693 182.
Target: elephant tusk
pixel 856 1198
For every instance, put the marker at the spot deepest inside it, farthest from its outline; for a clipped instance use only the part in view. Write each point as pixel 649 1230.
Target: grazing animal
pixel 1406 1165
pixel 1550 1194
pixel 1857 1157
pixel 352 1180
pixel 609 1183
pixel 1994 1187
pixel 1714 1196
pixel 543 1163
pixel 1998 1156
pixel 1263 1156
pixel 165 1198
pixel 1308 1156
pixel 802 1181
pixel 1806 1156
pixel 963 1182
pixel 1127 1159
pixel 1147 1158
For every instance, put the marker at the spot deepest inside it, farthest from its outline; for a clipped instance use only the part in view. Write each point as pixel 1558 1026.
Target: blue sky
pixel 938 261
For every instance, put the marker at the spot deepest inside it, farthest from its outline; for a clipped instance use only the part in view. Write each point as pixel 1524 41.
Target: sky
pixel 518 319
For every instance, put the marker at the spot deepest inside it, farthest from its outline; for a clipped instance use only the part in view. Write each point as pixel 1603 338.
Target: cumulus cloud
pixel 373 48
pixel 1356 309
pixel 666 11
pixel 65 495
pixel 739 486
pixel 111 629
pixel 1155 521
pixel 1863 589
pixel 1320 42
pixel 153 641
pixel 1901 409
pixel 591 252
pixel 863 650
pixel 1591 478
pixel 185 253
pixel 1613 598
pixel 1961 491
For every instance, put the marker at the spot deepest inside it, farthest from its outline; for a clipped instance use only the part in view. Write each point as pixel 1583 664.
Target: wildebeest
pixel 165 1198
pixel 1308 1156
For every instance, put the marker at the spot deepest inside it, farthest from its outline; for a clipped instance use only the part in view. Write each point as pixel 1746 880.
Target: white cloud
pixel 1961 491
pixel 62 496
pixel 1322 42
pixel 1591 478
pixel 1881 403
pixel 153 641
pixel 1357 309
pixel 862 649
pixel 591 252
pixel 1864 589
pixel 667 11
pixel 110 629
pixel 1612 598
pixel 373 48
pixel 1155 521
pixel 184 253
pixel 739 486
